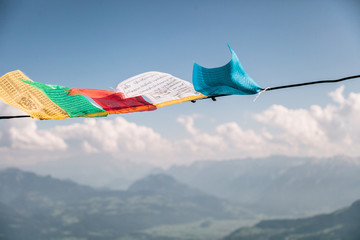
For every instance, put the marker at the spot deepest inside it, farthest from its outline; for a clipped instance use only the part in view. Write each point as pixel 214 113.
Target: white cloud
pixel 114 136
pixel 200 144
pixel 123 139
pixel 88 148
pixel 28 136
pixel 119 137
pixel 337 95
pixel 320 132
pixel 246 142
pixel 24 134
pixel 316 131
pixel 297 129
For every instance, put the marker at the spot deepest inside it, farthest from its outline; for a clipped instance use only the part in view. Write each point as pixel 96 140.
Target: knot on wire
pixel 261 91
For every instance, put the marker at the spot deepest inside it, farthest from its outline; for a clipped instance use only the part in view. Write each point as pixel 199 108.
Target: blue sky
pixel 97 44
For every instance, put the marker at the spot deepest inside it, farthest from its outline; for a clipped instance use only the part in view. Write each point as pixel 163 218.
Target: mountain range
pixel 42 207
pixel 156 207
pixel 277 186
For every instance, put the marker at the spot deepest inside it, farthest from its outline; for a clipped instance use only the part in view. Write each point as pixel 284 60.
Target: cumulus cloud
pixel 315 131
pixel 123 139
pixel 24 133
pixel 200 143
pixel 296 129
pixel 116 136
pixel 28 136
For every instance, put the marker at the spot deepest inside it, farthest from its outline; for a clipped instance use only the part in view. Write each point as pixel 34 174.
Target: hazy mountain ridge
pixel 45 207
pixel 164 184
pixel 60 209
pixel 342 224
pixel 15 184
pixel 278 185
pixel 92 171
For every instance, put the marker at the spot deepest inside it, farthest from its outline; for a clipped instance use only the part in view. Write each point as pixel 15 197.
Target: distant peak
pixel 153 182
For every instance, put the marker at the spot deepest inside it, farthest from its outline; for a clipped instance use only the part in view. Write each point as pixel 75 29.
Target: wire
pixel 311 83
pixel 263 90
pixel 19 116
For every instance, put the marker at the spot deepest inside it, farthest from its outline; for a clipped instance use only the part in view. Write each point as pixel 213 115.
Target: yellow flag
pixel 31 100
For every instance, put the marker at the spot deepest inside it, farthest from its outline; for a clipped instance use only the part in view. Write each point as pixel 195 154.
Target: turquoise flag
pixel 230 79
